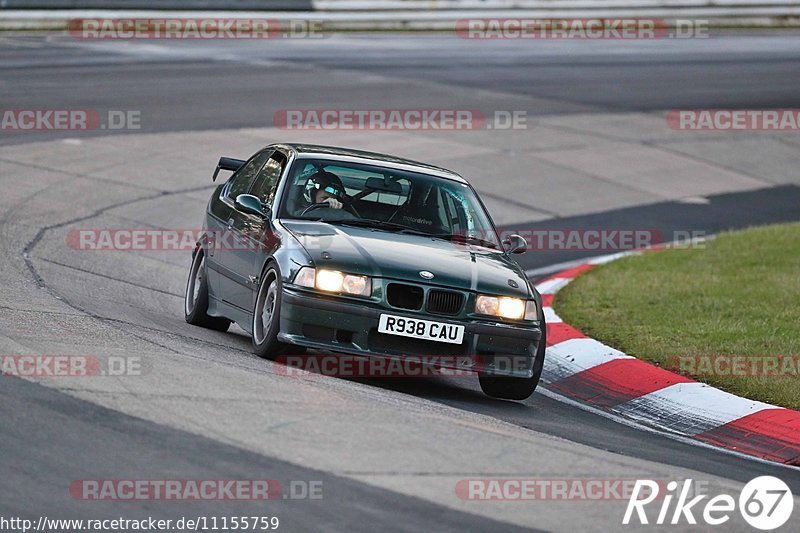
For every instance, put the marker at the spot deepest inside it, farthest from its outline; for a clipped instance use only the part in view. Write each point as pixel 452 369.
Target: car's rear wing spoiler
pixel 227 163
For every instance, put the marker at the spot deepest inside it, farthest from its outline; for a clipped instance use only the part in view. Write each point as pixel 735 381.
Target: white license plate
pixel 421 329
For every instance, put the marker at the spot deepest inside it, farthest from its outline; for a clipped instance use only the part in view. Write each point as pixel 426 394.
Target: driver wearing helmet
pixel 324 187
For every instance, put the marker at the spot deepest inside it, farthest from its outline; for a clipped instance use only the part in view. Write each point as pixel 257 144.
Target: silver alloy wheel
pixel 265 310
pixel 194 283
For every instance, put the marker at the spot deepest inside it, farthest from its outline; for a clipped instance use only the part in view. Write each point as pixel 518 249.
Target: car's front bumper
pixel 332 325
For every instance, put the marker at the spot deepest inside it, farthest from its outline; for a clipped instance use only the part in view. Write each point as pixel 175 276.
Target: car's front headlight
pixel 334 281
pixel 506 307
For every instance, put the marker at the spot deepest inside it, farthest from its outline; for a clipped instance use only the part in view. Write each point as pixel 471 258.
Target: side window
pixel 266 185
pixel 241 181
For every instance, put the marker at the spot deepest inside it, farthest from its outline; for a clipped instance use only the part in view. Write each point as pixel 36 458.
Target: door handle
pixel 230 223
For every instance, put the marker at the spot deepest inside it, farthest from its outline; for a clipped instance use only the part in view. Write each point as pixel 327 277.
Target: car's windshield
pixel 386 198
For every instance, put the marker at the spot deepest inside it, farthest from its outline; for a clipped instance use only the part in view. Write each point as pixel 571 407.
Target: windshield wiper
pixel 376 224
pixel 467 239
pixel 400 228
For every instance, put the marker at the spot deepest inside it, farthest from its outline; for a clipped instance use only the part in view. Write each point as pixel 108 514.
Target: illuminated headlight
pixel 334 281
pixel 329 280
pixel 501 306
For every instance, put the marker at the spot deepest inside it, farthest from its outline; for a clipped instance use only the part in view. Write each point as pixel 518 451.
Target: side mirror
pixel 251 205
pixel 515 244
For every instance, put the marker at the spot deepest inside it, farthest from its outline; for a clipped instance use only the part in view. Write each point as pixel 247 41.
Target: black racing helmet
pixel 322 180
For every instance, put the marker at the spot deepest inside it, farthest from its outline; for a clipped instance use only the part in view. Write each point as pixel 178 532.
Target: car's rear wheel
pixel 195 305
pixel 507 388
pixel 266 316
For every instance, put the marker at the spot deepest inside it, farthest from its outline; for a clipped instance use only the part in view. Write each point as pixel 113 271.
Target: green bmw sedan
pixel 349 252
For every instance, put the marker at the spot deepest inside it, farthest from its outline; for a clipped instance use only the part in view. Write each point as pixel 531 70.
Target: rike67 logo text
pixel 766 503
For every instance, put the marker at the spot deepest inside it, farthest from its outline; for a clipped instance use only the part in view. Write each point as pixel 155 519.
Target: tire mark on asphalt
pixel 75 174
pixel 31 245
pixel 40 281
pixel 112 278
pixel 45 312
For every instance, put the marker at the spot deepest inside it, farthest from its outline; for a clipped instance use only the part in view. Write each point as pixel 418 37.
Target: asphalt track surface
pixel 50 437
pixel 182 86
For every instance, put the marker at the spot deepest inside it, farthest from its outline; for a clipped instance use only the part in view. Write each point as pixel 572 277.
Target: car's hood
pixel 402 256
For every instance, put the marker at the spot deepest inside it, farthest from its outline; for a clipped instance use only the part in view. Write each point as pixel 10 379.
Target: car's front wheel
pixel 196 298
pixel 266 316
pixel 507 388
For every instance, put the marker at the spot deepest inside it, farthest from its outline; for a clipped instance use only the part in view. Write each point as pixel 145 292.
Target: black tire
pixel 506 388
pixel 265 339
pixel 195 306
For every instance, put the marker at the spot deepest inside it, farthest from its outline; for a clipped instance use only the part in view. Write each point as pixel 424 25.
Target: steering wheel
pixel 325 205
pixel 314 207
